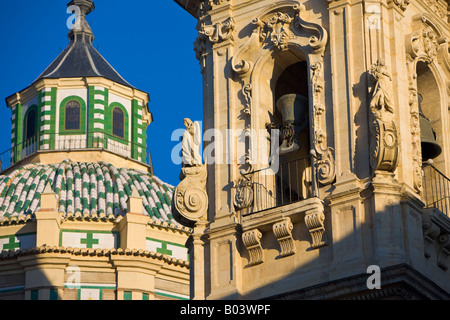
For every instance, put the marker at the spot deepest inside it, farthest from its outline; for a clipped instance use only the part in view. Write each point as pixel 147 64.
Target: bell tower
pixel 317 176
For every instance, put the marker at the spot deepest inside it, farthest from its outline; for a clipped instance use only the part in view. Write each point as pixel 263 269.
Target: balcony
pixel 292 181
pixel 436 189
pixel 84 142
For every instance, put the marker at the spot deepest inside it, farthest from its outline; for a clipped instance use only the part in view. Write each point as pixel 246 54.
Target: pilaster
pixel 48 220
pixel 133 225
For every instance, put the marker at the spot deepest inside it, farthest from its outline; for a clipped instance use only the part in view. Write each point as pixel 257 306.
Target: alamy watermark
pixel 374 280
pixel 73 22
pixel 235 146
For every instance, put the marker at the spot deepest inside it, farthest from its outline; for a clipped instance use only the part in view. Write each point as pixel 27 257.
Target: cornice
pixel 64 252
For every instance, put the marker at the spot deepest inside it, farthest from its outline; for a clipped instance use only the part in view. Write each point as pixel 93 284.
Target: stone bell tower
pixel 321 169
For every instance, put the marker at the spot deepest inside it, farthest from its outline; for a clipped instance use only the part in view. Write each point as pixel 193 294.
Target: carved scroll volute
pixel 325 165
pixel 190 198
pixel 283 232
pixel 252 241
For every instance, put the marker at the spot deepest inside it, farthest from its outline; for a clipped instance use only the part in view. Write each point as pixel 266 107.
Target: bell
pixel 293 109
pixel 430 148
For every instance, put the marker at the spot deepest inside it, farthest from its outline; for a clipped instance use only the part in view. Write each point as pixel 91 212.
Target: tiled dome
pixel 97 191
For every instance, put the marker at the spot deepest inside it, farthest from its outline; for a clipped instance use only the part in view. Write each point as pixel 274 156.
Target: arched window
pixel 72 115
pixel 118 123
pixel 30 130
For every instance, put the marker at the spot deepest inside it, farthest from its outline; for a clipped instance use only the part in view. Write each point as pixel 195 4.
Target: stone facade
pixel 360 197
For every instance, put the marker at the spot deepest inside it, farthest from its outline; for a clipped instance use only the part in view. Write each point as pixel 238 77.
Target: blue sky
pixel 149 42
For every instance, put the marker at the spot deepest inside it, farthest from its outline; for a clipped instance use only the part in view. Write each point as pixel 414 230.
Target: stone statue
pixel 190 200
pixel 190 145
pixel 381 98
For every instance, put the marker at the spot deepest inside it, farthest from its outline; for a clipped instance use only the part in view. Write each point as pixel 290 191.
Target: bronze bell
pixel 294 109
pixel 430 148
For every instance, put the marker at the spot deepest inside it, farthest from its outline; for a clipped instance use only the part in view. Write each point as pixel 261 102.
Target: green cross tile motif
pixel 89 240
pixel 12 244
pixel 164 249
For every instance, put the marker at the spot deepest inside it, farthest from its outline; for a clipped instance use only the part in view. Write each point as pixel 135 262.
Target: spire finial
pixel 81 8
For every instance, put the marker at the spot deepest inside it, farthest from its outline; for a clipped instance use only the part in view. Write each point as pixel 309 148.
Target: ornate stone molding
pixel 424 44
pixel 252 241
pixel 205 6
pixel 437 7
pixel 278 29
pixel 401 4
pixel 384 137
pixel 421 45
pixel 283 232
pixel 213 34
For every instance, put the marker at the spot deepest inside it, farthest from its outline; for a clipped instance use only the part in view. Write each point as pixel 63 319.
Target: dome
pixel 80 58
pixel 84 190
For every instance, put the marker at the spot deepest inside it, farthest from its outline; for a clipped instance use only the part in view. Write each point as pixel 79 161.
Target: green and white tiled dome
pixel 97 191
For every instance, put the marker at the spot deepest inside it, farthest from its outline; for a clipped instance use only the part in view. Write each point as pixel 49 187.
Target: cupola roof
pixel 84 191
pixel 80 58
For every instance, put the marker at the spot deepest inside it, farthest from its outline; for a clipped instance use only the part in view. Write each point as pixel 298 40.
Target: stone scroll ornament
pixel 384 138
pixel 190 198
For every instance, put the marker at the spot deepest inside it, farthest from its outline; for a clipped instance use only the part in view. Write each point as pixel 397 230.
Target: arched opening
pixel 118 123
pixel 289 180
pixel 30 125
pixel 292 112
pixel 72 115
pixel 436 184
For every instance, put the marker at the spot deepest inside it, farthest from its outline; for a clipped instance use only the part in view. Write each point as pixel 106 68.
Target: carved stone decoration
pixel 431 232
pixel 314 220
pixel 247 92
pixel 444 251
pixel 402 4
pixel 204 6
pixel 244 194
pixel 283 232
pixel 190 198
pixel 252 241
pixel 191 139
pixel 421 45
pixel 216 33
pixel 424 43
pixel 277 30
pixel 439 9
pixel 384 137
pixel 325 166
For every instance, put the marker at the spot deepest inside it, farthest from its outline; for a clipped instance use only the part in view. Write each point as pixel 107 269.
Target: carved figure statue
pixel 381 98
pixel 190 145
